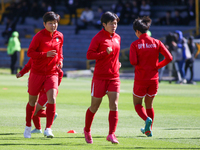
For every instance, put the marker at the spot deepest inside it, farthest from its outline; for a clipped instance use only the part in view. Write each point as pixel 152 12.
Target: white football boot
pixel 48 133
pixel 27 132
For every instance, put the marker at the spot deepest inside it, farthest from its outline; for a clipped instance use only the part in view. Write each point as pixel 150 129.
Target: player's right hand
pixel 109 50
pixel 51 53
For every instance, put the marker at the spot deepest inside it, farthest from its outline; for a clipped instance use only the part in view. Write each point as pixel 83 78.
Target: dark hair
pixel 142 24
pixel 51 16
pixel 168 40
pixel 109 16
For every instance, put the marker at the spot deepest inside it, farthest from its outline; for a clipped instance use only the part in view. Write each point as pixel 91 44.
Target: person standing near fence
pixel 190 61
pixel 104 48
pixel 182 54
pixel 46 52
pixel 13 49
pixel 144 55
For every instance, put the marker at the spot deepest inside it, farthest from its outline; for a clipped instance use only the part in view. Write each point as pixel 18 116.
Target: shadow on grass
pixel 194 138
pixel 148 148
pixel 94 137
pixel 54 144
pixel 182 129
pixel 7 138
pixel 10 133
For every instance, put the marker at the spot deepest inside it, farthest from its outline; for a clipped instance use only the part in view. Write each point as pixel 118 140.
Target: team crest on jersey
pixel 57 39
pixel 117 41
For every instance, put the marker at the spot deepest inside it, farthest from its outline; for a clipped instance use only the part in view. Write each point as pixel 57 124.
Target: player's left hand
pixel 18 75
pixel 60 64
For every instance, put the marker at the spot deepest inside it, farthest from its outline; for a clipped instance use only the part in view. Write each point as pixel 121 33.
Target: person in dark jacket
pixel 190 62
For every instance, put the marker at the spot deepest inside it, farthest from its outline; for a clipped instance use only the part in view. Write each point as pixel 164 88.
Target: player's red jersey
pixel 41 43
pixel 144 54
pixel 107 65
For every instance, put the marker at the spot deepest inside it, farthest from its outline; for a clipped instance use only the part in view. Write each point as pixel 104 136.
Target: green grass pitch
pixel 176 125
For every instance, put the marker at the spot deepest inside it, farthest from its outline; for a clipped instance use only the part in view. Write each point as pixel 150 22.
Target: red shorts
pixel 143 88
pixel 100 87
pixel 37 82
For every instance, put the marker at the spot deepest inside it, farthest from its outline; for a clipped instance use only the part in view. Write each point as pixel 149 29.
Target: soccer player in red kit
pixel 104 48
pixel 144 55
pixel 42 100
pixel 46 52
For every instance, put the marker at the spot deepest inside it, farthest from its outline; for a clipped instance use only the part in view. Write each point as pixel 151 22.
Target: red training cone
pixel 71 131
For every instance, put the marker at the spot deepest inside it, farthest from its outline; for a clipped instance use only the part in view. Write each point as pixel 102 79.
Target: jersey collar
pixel 48 33
pixel 143 35
pixel 107 33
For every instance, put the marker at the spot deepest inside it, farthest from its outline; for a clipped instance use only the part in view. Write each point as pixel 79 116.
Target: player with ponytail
pixel 144 55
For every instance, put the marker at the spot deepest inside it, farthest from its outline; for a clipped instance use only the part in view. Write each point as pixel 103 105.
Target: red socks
pixel 29 114
pixel 88 120
pixel 50 111
pixel 36 118
pixel 141 111
pixel 113 120
pixel 150 113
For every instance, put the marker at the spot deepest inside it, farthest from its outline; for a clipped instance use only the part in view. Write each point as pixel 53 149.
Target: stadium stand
pixel 75 46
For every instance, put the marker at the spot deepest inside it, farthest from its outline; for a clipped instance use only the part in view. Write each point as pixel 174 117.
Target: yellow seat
pixel 36 30
pixel 28 36
pixel 79 11
pixel 64 21
pixel 66 16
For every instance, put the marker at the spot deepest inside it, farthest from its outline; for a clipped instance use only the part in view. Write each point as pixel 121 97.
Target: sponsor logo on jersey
pixel 57 39
pixel 143 45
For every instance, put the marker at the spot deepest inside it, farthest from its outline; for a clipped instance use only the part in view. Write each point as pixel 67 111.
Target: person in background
pixel 178 20
pixel 127 13
pixel 9 12
pixel 35 11
pixel 72 6
pixel 171 45
pixel 182 54
pixel 104 48
pixel 145 9
pixel 135 10
pixel 190 62
pixel 144 55
pixel 100 11
pixel 190 9
pixel 166 20
pixel 119 9
pixel 13 49
pixel 86 19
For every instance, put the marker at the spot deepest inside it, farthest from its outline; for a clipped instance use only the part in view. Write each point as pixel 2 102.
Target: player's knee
pixel 52 100
pixel 113 106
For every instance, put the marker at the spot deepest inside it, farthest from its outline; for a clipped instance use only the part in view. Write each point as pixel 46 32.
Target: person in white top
pixel 145 9
pixel 86 19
